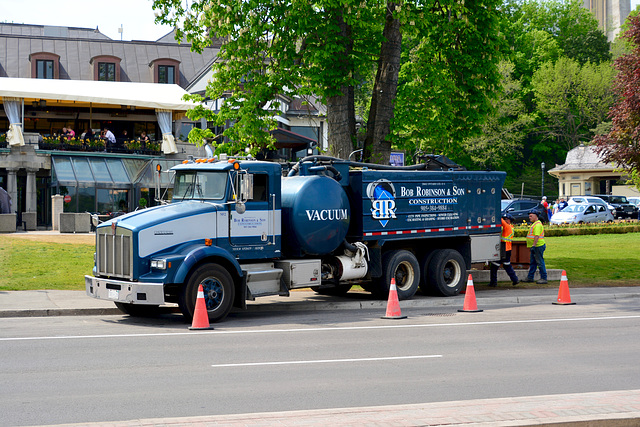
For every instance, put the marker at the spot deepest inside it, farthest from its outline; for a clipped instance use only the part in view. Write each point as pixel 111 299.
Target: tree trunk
pixel 377 147
pixel 341 123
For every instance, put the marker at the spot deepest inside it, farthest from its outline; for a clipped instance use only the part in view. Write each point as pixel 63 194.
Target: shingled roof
pixel 77 46
pixel 583 158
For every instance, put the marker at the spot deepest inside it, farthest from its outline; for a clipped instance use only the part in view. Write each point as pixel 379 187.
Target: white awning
pixel 149 95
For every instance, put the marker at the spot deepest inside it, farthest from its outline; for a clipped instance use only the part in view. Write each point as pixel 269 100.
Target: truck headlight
pixel 159 264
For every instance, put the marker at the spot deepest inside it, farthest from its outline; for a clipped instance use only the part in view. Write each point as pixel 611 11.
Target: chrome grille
pixel 114 252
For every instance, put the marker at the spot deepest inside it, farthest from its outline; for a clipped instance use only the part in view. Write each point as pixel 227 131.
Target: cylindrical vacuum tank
pixel 315 215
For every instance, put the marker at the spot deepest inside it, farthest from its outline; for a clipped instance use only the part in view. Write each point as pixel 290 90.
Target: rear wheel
pixel 218 288
pixel 447 272
pixel 402 266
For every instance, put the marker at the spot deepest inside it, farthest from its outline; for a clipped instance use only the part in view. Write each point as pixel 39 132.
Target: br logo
pixel 382 194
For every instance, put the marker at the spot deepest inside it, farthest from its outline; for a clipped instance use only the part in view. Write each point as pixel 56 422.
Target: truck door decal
pixel 383 200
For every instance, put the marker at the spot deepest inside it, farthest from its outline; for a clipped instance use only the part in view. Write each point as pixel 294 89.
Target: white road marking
pixel 324 329
pixel 304 362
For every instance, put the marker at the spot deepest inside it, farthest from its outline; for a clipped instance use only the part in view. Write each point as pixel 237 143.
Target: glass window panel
pixel 83 171
pixel 107 71
pixel 117 170
pixel 69 206
pixel 110 201
pixel 100 170
pixel 86 199
pixel 64 171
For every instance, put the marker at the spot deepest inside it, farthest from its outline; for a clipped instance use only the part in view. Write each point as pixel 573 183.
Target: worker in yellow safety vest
pixel 505 242
pixel 536 245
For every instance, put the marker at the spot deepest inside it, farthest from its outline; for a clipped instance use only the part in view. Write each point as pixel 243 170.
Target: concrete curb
pixel 82 305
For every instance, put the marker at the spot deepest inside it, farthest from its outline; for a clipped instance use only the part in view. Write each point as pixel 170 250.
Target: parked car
pixel 635 201
pixel 519 209
pixel 624 209
pixel 592 199
pixel 579 213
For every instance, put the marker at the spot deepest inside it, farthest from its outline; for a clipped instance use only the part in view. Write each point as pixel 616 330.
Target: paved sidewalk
pixel 607 409
pixel 75 303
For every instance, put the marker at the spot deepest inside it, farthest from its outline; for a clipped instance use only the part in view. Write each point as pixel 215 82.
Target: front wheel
pixel 447 272
pixel 218 289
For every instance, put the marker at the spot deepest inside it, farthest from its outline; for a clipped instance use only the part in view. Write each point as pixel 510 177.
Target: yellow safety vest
pixel 536 230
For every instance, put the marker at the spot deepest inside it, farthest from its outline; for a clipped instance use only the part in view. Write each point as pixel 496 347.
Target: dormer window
pixel 165 70
pixel 166 74
pixel 106 68
pixel 44 69
pixel 44 65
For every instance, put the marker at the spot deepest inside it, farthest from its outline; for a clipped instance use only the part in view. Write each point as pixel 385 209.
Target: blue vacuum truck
pixel 242 230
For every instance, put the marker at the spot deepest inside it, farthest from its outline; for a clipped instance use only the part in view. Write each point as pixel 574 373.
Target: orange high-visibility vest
pixel 507 235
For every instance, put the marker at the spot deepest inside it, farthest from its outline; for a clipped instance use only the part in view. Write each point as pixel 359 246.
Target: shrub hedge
pixel 582 229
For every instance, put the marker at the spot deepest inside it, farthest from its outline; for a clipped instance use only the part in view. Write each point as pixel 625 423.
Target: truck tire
pixel 446 273
pixel 219 292
pixel 402 266
pixel 425 285
pixel 138 310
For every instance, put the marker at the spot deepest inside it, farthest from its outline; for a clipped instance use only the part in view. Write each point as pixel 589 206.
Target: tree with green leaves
pixel 326 48
pixel 499 144
pixel 571 100
pixel 621 145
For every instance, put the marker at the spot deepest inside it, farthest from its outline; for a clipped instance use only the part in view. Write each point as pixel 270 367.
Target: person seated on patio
pixel 110 139
pixel 144 139
pixel 68 133
pixel 87 135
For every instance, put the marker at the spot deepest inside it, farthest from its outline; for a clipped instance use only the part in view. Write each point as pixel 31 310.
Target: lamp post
pixel 542 166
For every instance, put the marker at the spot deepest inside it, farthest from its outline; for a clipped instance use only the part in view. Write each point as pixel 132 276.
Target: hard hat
pixel 534 211
pixel 509 217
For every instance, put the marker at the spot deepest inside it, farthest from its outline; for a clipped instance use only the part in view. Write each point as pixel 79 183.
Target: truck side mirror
pixel 244 186
pixel 240 207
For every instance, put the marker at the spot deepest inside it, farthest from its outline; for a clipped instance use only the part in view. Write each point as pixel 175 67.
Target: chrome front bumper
pixel 124 291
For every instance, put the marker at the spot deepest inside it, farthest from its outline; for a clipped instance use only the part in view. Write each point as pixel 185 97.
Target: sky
pixel 135 16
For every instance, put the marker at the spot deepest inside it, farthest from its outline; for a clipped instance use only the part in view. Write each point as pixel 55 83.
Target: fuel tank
pixel 315 215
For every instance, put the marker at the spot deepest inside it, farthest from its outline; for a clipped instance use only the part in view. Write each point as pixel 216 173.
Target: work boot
pixel 515 283
pixel 493 285
pixel 528 280
pixel 541 281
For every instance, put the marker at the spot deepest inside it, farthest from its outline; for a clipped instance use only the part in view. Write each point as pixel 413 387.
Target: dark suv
pixel 519 209
pixel 624 209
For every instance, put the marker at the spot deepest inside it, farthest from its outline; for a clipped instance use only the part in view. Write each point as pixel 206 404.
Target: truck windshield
pixel 199 185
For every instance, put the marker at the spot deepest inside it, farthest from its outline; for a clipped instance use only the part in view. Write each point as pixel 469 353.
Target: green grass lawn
pixel 599 260
pixel 596 260
pixel 34 265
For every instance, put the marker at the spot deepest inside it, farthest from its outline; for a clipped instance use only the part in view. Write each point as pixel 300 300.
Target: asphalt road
pixel 82 369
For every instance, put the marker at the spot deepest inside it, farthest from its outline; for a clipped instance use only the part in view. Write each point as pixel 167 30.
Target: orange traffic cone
pixel 470 298
pixel 564 298
pixel 200 315
pixel 393 306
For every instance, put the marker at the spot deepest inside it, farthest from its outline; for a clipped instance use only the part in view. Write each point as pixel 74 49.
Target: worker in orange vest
pixel 505 242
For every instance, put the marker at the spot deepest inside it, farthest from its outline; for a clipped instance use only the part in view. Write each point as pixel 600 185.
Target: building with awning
pixel 107 99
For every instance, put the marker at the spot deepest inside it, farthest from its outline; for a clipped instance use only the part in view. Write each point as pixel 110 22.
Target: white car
pixel 635 201
pixel 592 199
pixel 578 213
